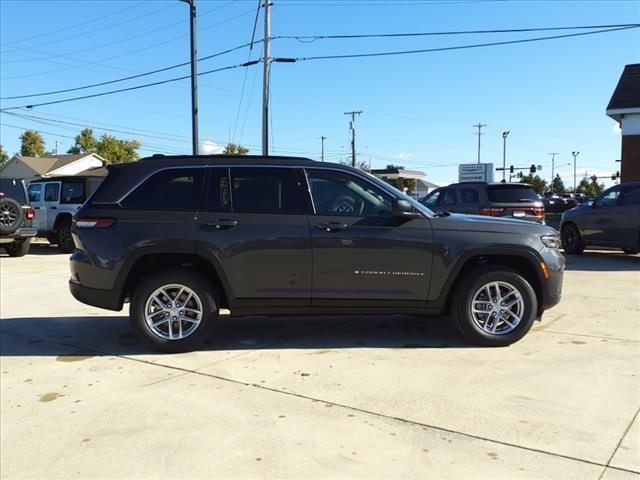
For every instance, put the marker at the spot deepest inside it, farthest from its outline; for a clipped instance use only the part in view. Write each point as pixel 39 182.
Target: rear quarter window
pixel 171 189
pixel 511 194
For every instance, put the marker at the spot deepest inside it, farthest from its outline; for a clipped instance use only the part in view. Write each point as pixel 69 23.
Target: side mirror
pixel 402 209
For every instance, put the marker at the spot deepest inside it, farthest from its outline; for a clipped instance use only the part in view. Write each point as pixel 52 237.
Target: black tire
pixel 63 236
pixel 11 215
pixel 19 248
pixel 463 296
pixel 571 239
pixel 174 276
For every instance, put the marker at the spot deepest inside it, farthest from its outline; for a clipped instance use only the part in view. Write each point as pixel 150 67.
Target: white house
pixel 422 185
pixel 35 168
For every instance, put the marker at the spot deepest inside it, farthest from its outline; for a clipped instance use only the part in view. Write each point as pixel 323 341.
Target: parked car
pixel 16 217
pixel 56 200
pixel 555 204
pixel 611 220
pixel 182 237
pixel 506 200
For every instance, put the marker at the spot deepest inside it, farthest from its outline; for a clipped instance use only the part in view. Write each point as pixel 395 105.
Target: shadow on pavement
pixel 603 261
pixel 111 335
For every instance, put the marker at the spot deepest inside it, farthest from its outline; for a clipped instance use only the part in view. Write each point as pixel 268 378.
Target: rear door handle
pixel 332 226
pixel 222 223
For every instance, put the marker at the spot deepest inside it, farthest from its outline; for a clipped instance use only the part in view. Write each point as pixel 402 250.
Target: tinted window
pixel 14 189
pixel 35 192
pixel 51 192
pixel 340 193
pixel 469 195
pixel 173 189
pixel 265 190
pixel 219 200
pixel 447 197
pixel 631 196
pixel 432 199
pixel 72 192
pixel 511 194
pixel 609 198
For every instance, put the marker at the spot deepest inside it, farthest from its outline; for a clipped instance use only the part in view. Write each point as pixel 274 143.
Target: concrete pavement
pixel 347 397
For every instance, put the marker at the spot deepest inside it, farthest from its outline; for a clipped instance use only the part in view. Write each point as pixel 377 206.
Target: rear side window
pixel 51 192
pixel 173 189
pixel 265 190
pixel 511 194
pixel 631 196
pixel 469 195
pixel 13 189
pixel 35 192
pixel 447 197
pixel 72 192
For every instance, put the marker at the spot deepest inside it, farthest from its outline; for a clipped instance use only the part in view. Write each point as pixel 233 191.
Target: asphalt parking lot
pixel 348 397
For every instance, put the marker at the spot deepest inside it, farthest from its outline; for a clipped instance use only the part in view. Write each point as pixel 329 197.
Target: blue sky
pixel 418 109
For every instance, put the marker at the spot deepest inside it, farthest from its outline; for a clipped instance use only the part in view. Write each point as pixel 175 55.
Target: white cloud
pixel 403 155
pixel 210 148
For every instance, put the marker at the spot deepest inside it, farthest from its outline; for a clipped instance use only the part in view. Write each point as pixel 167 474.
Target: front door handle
pixel 222 223
pixel 332 226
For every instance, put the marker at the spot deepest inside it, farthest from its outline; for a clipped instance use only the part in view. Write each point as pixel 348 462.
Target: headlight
pixel 551 241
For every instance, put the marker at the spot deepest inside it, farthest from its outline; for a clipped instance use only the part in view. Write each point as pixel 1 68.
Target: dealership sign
pixel 475 172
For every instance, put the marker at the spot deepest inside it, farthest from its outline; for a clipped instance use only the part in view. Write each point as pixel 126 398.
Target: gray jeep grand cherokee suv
pixel 182 237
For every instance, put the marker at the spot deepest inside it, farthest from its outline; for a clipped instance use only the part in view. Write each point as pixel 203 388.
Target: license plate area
pixel 518 213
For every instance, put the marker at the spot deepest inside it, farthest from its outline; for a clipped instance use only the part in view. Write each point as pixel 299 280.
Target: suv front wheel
pixel 173 311
pixel 494 306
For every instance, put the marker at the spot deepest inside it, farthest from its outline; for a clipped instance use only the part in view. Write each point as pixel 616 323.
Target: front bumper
pixel 552 286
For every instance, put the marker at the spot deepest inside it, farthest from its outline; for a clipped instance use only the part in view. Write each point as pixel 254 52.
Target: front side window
pixel 631 196
pixel 340 193
pixel 51 192
pixel 609 199
pixel 35 192
pixel 172 189
pixel 72 192
pixel 265 190
pixel 447 197
pixel 432 199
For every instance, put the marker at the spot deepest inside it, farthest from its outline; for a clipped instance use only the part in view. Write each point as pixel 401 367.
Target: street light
pixel 194 77
pixel 504 155
pixel 575 156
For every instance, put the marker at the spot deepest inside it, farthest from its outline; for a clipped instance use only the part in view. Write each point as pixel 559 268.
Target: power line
pixel 442 49
pixel 313 38
pixel 137 87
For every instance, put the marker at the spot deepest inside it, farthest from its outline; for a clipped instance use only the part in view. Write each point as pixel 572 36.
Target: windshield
pixel 511 193
pixel 390 188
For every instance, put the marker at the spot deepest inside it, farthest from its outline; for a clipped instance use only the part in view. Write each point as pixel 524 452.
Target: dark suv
pixel 507 200
pixel 182 237
pixel 16 217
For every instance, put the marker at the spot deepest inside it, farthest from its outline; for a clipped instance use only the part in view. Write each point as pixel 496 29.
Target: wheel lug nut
pixel 166 314
pixel 181 312
pixel 175 318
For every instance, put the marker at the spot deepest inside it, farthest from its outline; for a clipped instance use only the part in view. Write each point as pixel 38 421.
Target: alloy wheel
pixel 173 312
pixel 497 308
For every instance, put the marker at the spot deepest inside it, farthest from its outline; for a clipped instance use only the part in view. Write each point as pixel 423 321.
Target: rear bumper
pixel 96 297
pixel 19 234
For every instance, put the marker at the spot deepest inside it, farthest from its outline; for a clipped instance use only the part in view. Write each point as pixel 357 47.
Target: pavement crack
pixel 615 450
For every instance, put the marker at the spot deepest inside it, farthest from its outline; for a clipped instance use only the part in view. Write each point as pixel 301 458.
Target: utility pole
pixel 575 155
pixel 194 77
pixel 322 139
pixel 352 125
pixel 553 165
pixel 266 74
pixel 56 150
pixel 479 127
pixel 504 154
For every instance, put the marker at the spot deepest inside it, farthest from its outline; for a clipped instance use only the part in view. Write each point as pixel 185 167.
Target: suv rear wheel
pixel 11 215
pixel 175 310
pixel 63 236
pixel 494 306
pixel 18 248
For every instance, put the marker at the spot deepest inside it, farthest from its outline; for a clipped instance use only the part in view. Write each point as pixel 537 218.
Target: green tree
pixel 401 183
pixel 32 144
pixel 117 151
pixel 233 149
pixel 4 156
pixel 538 184
pixel 557 185
pixel 86 142
pixel 590 188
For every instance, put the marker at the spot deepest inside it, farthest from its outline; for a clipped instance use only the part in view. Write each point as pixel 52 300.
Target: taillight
pixel 492 212
pixel 30 214
pixel 538 211
pixel 94 222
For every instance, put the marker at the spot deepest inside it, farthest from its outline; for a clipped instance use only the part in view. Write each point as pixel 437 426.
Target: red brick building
pixel 624 108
